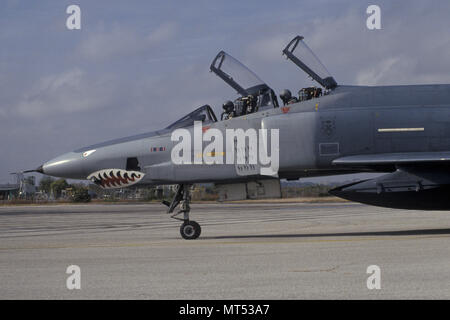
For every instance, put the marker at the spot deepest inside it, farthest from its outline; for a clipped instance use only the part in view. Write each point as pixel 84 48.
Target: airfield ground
pixel 246 251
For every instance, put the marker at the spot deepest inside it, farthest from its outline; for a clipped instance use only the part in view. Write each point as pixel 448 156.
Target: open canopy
pixel 308 62
pixel 237 75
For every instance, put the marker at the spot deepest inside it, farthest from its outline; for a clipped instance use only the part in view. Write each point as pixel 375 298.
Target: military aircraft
pixel 328 129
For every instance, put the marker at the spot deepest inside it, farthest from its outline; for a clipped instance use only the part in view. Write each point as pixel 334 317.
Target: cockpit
pixel 306 60
pixel 255 95
pixel 204 114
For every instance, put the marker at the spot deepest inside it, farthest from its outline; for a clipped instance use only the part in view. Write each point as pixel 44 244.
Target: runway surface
pixel 246 251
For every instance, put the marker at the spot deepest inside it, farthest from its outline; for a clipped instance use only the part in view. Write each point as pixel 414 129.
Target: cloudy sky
pixel 136 66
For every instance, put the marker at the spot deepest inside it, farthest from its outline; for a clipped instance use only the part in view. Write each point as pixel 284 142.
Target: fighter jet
pixel 327 129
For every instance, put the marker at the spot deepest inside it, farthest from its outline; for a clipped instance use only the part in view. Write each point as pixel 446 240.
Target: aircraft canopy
pixel 308 62
pixel 237 75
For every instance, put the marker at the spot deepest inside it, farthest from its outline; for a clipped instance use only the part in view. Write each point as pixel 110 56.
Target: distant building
pixel 24 188
pixel 9 191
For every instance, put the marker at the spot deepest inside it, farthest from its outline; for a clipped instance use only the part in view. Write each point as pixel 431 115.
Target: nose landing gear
pixel 190 229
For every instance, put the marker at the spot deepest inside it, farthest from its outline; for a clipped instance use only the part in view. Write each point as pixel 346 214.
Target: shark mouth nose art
pixel 115 178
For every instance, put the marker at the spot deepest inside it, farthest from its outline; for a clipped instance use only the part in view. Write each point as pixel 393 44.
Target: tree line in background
pixel 60 190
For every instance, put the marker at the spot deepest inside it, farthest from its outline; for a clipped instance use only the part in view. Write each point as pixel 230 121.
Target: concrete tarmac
pixel 246 251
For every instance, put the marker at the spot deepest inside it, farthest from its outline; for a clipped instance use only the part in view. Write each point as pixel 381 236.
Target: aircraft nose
pixel 68 165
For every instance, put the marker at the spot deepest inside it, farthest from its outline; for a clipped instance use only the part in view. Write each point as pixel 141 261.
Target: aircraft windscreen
pixel 235 73
pixel 203 114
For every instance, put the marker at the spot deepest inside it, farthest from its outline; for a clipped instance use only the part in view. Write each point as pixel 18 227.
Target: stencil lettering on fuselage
pixel 247 168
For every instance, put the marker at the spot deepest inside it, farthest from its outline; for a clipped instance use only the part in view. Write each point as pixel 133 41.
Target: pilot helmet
pixel 228 106
pixel 285 95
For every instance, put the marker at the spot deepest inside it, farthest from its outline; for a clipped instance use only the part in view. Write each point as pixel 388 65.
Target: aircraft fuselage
pixel 351 120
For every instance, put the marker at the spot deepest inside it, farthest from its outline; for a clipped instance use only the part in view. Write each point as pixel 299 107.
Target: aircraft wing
pixel 393 158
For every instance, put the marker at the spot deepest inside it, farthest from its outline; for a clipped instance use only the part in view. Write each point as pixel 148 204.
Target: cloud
pixel 382 71
pixel 66 92
pixel 123 41
pixel 411 47
pixel 164 32
pixel 268 48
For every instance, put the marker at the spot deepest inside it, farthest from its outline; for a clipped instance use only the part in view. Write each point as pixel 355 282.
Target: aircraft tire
pixel 190 230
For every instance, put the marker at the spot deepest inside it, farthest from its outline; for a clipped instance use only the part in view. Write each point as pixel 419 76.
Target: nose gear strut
pixel 190 229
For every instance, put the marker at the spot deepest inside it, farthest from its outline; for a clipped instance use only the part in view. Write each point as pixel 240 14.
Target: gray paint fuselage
pixel 312 134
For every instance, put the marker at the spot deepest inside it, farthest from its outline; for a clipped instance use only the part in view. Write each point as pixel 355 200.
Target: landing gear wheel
pixel 190 230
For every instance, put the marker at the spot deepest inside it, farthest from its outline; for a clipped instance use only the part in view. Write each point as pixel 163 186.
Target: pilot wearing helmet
pixel 241 106
pixel 228 110
pixel 287 98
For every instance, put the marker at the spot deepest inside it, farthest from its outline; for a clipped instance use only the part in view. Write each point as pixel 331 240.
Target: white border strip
pixel 400 129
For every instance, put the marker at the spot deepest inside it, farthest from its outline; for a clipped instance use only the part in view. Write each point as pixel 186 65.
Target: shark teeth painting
pixel 115 178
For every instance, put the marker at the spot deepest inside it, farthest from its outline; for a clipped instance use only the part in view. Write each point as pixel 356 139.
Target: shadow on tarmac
pixel 343 234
